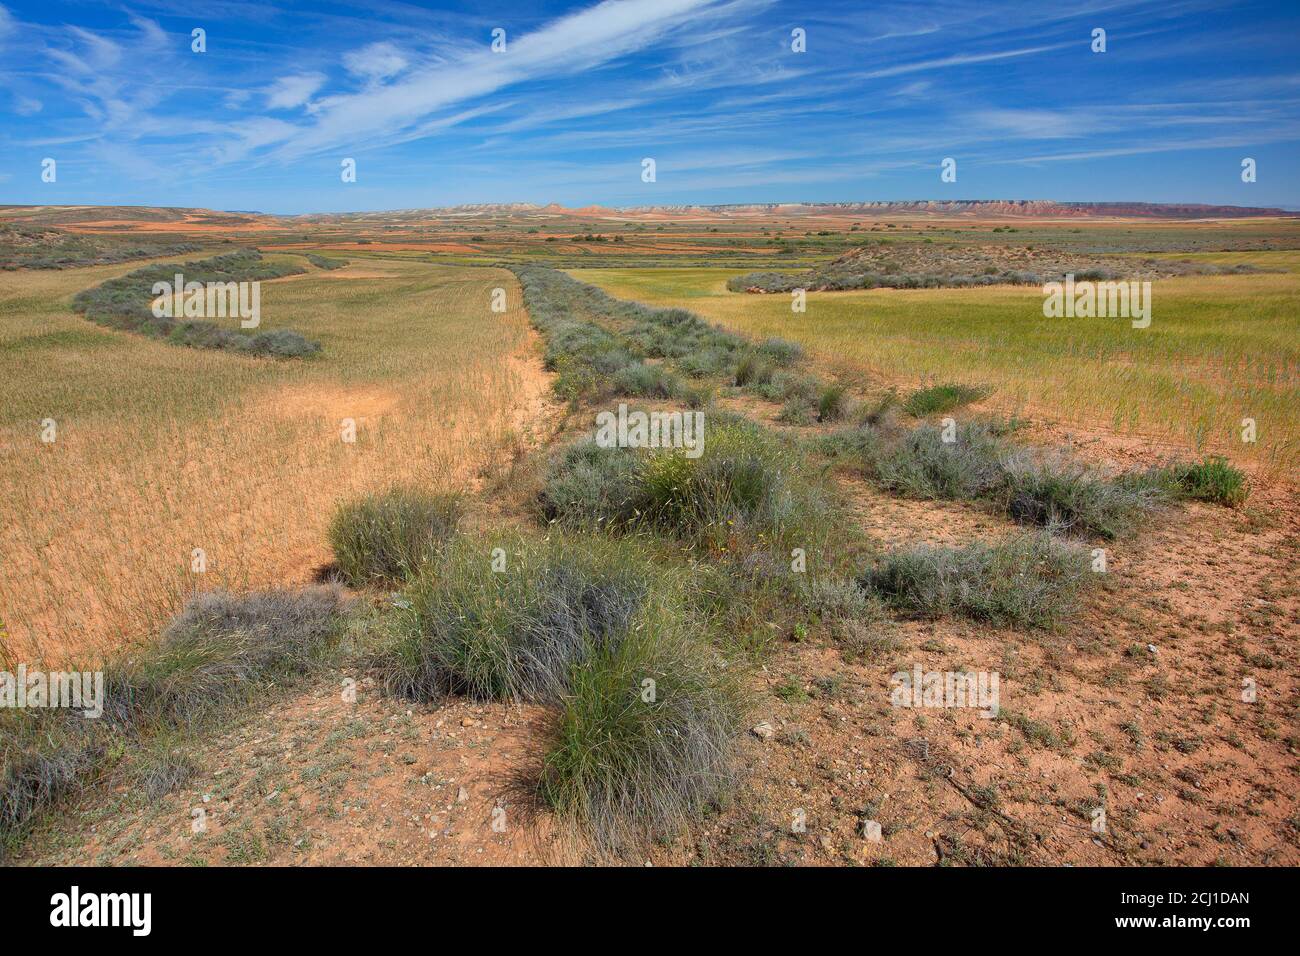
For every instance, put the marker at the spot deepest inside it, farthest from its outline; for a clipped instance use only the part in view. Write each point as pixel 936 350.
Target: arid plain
pixel 463 358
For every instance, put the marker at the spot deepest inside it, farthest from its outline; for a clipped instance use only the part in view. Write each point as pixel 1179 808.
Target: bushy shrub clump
pixel 746 486
pixel 219 651
pixel 921 464
pixel 1212 480
pixel 645 381
pixel 1054 492
pixel 648 709
pixel 1031 580
pixel 645 741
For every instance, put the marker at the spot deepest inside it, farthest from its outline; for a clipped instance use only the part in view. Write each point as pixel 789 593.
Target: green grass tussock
pixel 941 398
pixel 389 536
pixel 746 488
pixel 648 711
pixel 517 634
pixel 645 739
pixel 1212 480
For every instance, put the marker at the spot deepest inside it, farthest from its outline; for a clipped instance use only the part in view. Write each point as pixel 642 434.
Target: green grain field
pixel 1219 349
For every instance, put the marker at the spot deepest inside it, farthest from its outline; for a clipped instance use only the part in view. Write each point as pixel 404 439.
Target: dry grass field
pixel 160 450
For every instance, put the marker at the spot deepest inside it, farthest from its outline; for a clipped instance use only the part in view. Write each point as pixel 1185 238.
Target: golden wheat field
pixel 158 451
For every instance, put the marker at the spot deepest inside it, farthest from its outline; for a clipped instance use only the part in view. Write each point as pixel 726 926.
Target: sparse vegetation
pixel 1052 490
pixel 639 597
pixel 925 265
pixel 48 247
pixel 216 653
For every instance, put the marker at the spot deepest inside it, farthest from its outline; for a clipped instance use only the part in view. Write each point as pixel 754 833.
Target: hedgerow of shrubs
pixel 126 303
pixel 45 247
pixel 973 461
pixel 602 346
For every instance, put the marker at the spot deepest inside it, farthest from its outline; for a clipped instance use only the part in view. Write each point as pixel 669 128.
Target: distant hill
pixel 938 208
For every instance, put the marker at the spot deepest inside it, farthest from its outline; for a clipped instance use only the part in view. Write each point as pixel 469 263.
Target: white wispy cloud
pixel 375 61
pixel 574 43
pixel 289 92
pixel 964 59
pixel 1035 124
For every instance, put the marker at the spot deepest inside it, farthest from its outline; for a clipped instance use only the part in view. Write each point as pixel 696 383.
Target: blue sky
pixel 583 92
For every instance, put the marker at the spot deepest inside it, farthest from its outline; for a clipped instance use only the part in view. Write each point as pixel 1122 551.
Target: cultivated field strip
pixel 161 450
